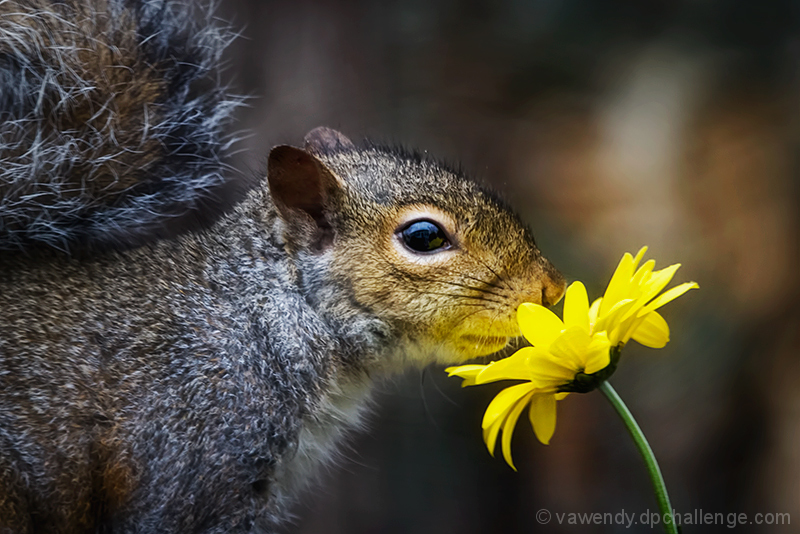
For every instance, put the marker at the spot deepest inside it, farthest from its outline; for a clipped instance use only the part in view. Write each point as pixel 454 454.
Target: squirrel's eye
pixel 424 236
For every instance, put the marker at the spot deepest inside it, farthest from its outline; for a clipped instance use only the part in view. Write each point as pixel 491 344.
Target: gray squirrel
pixel 180 349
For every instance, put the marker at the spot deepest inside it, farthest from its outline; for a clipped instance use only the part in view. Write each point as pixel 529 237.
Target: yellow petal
pixel 561 396
pixel 508 428
pixel 467 372
pixel 538 324
pixel 619 285
pixel 652 332
pixel 570 348
pixel 576 307
pixel 649 285
pixel 498 410
pixel 503 402
pixel 625 330
pixel 543 416
pixel 549 371
pixel 540 367
pixel 643 272
pixel 618 324
pixel 490 435
pixel 658 281
pixel 597 353
pixel 668 296
pixel 616 337
pixel 515 367
pixel 616 313
pixel 639 256
pixel 594 310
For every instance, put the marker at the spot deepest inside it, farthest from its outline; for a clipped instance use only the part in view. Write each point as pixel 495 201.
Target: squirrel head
pixel 439 260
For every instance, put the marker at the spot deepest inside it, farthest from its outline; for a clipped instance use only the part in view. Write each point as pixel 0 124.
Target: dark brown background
pixel 610 124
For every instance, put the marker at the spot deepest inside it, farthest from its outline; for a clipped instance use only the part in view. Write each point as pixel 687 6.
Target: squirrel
pixel 181 349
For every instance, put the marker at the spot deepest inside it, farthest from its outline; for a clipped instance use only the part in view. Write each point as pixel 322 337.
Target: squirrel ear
pixel 301 188
pixel 324 140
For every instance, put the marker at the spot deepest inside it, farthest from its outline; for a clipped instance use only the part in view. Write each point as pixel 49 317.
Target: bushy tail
pixel 112 122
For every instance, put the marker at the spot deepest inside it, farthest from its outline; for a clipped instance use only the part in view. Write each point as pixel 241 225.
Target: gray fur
pixel 176 408
pixel 112 122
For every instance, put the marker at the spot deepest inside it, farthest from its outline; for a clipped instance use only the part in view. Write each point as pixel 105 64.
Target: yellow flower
pixel 561 352
pixel 576 354
pixel 627 310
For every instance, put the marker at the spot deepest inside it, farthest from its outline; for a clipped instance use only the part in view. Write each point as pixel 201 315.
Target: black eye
pixel 424 236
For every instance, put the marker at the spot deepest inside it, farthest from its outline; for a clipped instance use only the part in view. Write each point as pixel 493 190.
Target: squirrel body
pixel 188 373
pixel 173 405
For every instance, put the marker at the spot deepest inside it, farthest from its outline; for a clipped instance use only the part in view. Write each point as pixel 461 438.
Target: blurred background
pixel 610 124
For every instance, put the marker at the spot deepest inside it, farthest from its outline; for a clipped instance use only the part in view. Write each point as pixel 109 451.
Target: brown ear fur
pixel 301 188
pixel 323 140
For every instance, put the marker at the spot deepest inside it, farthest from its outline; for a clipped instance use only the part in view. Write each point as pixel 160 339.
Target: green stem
pixel 647 453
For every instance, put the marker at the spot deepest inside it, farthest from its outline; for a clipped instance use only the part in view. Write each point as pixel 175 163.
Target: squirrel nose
pixel 553 286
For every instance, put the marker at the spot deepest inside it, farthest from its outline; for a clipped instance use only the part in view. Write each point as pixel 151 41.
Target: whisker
pixel 490 284
pixel 482 281
pixel 460 304
pixel 484 336
pixel 456 284
pixel 491 323
pixel 485 282
pixel 436 386
pixel 468 287
pixel 453 295
pixel 434 281
pixel 425 400
pixel 505 281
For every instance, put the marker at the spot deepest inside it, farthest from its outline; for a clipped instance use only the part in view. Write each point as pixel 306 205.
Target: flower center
pixel 584 383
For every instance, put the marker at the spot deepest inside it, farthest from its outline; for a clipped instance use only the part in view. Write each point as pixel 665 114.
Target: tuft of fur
pixel 112 123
